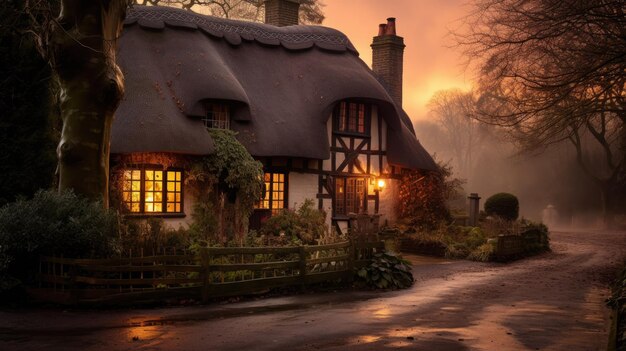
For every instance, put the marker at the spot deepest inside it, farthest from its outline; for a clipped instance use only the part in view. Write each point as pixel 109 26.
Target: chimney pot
pixel 382 28
pixel 390 29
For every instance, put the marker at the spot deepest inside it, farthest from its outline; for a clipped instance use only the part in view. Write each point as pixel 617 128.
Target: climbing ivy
pixel 230 180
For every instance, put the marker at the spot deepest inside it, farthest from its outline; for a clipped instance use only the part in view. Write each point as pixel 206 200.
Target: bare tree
pixel 455 113
pixel 79 42
pixel 553 71
pixel 311 11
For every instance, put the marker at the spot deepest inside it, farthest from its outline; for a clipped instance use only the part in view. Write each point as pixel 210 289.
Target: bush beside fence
pixel 213 272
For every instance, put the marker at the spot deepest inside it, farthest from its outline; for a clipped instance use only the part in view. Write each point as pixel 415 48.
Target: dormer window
pixel 217 116
pixel 352 117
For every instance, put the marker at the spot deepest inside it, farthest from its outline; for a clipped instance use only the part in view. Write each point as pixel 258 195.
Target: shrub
pixel 307 223
pixel 503 205
pixel 53 223
pixel 482 253
pixel 423 196
pixel 152 236
pixel 386 271
pixel 536 237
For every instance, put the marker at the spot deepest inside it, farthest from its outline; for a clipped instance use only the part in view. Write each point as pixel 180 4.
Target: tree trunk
pixel 83 50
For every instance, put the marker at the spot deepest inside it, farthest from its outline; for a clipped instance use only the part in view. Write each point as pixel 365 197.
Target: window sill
pixel 155 215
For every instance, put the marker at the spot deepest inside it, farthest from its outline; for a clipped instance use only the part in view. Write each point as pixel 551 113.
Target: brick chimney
pixel 282 13
pixel 387 53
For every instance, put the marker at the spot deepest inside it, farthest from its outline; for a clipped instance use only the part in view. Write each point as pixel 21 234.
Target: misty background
pixel 489 162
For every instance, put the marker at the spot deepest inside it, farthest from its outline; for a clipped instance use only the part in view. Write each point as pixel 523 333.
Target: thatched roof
pixel 282 82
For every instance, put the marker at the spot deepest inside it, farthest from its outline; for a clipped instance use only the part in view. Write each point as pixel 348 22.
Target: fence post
pixel 73 289
pixel 302 253
pixel 350 272
pixel 205 261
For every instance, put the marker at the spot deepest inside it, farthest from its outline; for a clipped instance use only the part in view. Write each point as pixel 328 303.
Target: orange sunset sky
pixel 429 65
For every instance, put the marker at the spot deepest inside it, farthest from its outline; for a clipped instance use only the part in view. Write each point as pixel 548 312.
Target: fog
pixel 492 164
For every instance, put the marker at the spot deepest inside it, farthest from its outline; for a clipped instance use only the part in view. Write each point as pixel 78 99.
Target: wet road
pixel 554 301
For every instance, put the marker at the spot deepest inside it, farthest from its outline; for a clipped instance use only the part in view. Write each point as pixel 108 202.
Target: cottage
pixel 323 124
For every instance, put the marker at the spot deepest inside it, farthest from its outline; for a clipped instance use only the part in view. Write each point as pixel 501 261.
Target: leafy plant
pixel 386 271
pixel 151 235
pixel 536 236
pixel 482 253
pixel 234 182
pixel 503 205
pixel 423 196
pixel 53 223
pixel 306 223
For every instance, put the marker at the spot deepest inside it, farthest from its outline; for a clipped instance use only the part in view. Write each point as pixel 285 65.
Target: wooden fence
pixel 512 246
pixel 214 272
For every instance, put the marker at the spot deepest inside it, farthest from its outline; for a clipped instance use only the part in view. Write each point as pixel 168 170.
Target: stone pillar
pixel 387 58
pixel 282 13
pixel 474 207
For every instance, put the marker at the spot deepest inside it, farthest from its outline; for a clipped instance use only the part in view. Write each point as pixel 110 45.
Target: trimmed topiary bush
pixel 503 205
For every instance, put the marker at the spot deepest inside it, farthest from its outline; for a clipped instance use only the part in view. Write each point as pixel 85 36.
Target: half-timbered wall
pixel 361 156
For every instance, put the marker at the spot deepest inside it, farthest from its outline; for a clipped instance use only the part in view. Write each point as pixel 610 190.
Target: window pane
pixel 174 191
pixel 361 119
pixel 217 116
pixel 339 196
pixel 274 192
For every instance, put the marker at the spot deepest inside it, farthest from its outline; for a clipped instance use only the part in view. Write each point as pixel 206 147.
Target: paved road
pixel 554 301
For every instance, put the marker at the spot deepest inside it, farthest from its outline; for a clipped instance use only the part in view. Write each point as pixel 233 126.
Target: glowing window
pixel 349 195
pixel 275 192
pixel 351 117
pixel 152 191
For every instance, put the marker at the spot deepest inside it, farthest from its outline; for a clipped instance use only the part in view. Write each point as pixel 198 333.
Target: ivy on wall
pixel 228 184
pixel 423 196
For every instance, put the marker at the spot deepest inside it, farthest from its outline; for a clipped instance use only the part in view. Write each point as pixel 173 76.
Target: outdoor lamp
pixel 379 184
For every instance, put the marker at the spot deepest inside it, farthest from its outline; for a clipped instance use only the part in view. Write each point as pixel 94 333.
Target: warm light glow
pixel 152 197
pixel 381 184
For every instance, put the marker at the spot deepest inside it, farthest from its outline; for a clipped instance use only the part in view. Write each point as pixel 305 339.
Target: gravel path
pixel 554 301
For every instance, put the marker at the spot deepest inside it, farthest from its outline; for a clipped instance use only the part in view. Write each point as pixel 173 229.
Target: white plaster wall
pixel 389 198
pixel 302 186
